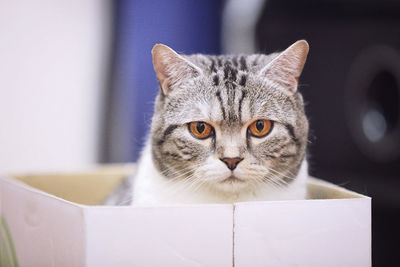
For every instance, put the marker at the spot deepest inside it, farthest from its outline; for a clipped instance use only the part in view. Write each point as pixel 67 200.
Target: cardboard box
pixel 53 220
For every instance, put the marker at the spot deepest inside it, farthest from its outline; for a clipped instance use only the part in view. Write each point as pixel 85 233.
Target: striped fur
pixel 228 92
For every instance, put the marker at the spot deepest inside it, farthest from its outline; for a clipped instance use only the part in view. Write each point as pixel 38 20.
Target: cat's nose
pixel 231 162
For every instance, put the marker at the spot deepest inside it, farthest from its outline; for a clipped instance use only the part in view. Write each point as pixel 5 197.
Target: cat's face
pixel 229 123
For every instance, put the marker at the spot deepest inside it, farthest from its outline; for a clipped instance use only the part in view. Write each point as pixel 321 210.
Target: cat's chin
pixel 231 184
pixel 233 179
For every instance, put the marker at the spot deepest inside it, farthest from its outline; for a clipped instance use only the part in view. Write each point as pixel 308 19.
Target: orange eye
pixel 260 128
pixel 200 129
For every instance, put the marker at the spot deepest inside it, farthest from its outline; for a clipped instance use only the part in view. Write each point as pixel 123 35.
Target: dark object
pixel 351 83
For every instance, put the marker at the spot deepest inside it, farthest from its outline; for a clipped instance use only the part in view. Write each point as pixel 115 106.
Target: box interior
pixel 93 186
pixel 89 187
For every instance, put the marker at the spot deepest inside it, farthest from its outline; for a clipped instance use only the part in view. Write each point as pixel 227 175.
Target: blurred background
pixel 77 84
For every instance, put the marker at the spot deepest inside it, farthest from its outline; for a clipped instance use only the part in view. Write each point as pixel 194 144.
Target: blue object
pixel 186 26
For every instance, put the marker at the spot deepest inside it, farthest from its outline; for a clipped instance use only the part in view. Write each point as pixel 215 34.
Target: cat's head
pixel 229 123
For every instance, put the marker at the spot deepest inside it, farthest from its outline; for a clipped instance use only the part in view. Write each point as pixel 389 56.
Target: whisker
pixel 281 174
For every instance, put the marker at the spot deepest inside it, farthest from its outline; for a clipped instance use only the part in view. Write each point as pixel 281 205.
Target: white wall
pixel 52 73
pixel 239 23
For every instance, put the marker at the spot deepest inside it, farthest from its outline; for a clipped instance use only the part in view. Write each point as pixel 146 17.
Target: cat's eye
pixel 260 128
pixel 200 129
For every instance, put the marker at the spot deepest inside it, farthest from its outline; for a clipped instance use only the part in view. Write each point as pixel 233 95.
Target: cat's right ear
pixel 285 69
pixel 172 69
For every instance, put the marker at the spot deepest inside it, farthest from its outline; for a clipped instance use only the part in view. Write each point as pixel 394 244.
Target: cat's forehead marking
pixel 229 76
pixel 216 80
pixel 233 85
pixel 221 104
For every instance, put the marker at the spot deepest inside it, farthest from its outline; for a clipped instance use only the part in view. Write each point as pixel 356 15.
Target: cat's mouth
pixel 232 179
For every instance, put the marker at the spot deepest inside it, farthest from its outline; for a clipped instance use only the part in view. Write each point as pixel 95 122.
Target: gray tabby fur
pixel 229 92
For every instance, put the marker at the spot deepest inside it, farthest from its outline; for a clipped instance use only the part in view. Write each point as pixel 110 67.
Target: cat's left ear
pixel 286 68
pixel 172 69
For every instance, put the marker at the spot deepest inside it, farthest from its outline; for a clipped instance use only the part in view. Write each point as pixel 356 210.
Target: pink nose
pixel 231 163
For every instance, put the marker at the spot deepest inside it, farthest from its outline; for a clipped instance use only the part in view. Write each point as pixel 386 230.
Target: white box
pixel 52 229
pixel 317 232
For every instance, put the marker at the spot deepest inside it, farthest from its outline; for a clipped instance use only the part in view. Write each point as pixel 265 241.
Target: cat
pixel 225 129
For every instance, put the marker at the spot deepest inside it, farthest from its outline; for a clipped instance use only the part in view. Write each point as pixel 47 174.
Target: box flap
pixel 319 189
pixel 181 235
pixel 325 232
pixel 46 231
